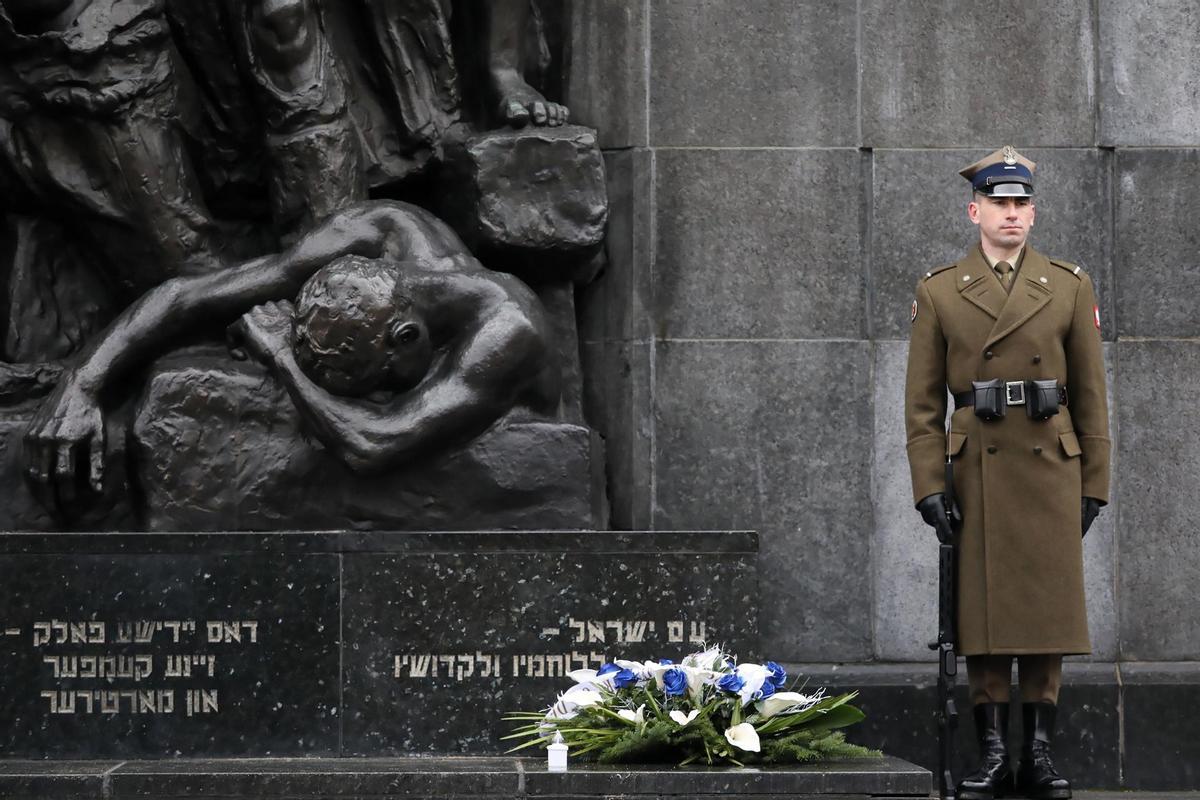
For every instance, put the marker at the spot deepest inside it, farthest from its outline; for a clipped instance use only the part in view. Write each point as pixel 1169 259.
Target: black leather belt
pixel 1014 395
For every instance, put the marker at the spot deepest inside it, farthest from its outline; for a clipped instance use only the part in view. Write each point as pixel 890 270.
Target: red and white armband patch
pixel 1096 316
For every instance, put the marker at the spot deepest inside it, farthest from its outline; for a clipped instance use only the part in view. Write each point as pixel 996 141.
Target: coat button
pixel 1037 359
pixel 1037 451
pixel 991 448
pixel 989 355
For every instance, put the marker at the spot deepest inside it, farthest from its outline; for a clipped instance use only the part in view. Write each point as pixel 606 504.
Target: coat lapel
pixel 978 284
pixel 1029 295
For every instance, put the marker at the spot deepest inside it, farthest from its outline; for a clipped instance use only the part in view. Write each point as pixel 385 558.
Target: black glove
pixel 1089 510
pixel 933 511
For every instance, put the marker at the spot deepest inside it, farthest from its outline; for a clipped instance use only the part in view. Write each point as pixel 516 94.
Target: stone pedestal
pixel 338 644
pixel 476 778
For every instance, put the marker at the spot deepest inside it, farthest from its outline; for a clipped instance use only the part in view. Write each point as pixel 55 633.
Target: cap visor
pixel 1009 190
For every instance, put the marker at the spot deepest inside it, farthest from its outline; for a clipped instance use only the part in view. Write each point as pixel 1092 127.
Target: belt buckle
pixel 1014 393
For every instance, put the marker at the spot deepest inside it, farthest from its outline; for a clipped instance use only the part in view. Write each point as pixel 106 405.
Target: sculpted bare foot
pixel 520 104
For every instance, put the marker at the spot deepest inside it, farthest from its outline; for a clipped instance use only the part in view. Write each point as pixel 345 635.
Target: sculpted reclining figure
pixel 396 308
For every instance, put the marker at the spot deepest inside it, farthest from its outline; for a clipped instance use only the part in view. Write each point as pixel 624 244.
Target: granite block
pixel 1149 72
pixel 606 73
pixel 848 778
pixel 616 306
pixel 126 655
pixel 904 550
pixel 943 74
pixel 27 780
pixel 1159 455
pixel 351 778
pixel 1155 256
pixel 492 778
pixel 900 701
pixel 773 73
pixel 777 435
pixel 1162 730
pixel 759 244
pixel 427 635
pixel 911 188
pixel 617 403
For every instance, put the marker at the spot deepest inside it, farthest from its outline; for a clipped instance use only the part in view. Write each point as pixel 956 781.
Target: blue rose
pixel 778 674
pixel 665 661
pixel 766 691
pixel 732 683
pixel 675 682
pixel 607 668
pixel 624 678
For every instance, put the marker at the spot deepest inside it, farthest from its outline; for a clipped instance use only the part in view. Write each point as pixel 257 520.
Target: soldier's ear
pixel 404 333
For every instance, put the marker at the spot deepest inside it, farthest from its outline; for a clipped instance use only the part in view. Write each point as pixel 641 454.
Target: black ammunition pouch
pixel 988 399
pixel 1042 399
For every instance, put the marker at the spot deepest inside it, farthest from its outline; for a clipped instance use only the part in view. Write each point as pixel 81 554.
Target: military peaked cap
pixel 1004 173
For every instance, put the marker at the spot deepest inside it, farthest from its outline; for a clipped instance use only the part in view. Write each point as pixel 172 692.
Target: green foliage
pixel 632 722
pixel 805 746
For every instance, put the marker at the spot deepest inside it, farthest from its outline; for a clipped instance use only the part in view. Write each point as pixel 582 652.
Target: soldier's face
pixel 1003 222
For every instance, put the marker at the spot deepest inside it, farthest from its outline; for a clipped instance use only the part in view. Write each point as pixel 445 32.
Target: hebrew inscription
pixel 654 637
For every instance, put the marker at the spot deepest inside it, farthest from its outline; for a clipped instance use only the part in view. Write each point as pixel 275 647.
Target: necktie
pixel 1005 270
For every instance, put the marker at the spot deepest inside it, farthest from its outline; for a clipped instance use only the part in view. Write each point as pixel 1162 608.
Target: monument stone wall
pixel 780 175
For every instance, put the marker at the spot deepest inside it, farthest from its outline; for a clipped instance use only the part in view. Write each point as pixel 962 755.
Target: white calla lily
pixel 780 702
pixel 582 675
pixel 682 719
pixel 706 659
pixel 743 737
pixel 569 702
pixel 637 717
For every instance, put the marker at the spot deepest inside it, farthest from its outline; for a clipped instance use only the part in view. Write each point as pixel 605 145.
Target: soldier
pixel 1015 337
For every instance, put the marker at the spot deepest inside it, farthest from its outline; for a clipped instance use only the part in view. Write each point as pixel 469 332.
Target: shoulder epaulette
pixel 1074 269
pixel 936 270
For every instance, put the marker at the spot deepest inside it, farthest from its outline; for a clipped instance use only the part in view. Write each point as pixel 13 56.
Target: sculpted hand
pixel 264 331
pixel 64 446
pixel 933 511
pixel 1090 509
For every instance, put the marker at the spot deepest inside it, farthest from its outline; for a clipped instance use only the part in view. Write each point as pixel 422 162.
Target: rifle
pixel 947 641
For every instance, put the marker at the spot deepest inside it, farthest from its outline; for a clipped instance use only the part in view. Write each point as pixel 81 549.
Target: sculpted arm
pixel 71 416
pixel 925 398
pixel 464 396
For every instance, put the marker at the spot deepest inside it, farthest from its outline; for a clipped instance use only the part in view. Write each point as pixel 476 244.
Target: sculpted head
pixel 356 331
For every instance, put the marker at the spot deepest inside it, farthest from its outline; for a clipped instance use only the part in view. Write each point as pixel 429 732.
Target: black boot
pixel 1037 776
pixel 994 777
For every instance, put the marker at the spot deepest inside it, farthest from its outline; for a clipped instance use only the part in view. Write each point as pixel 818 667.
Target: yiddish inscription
pixel 95 667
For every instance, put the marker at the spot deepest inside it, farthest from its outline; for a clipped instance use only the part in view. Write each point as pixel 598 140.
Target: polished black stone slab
pixel 132 645
pixel 147 654
pixel 439 645
pixel 499 778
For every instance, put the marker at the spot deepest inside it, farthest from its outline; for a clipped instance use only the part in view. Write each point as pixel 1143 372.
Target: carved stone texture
pixel 530 201
pixel 219 447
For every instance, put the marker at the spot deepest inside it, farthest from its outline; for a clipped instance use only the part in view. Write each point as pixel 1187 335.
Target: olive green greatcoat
pixel 1019 482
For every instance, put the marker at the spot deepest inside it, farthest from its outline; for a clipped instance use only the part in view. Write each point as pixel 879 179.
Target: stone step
pixel 457 777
